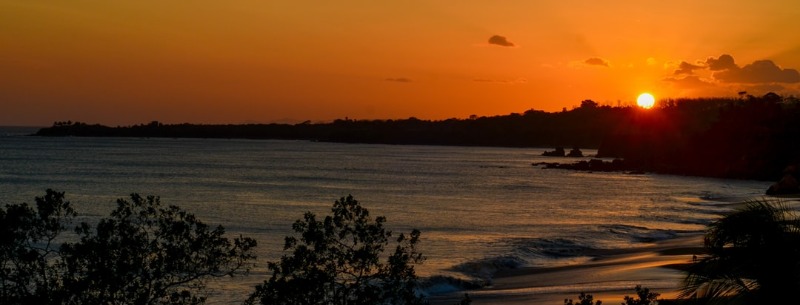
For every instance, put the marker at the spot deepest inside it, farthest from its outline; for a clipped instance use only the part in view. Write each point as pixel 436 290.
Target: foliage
pixel 28 254
pixel 754 257
pixel 338 261
pixel 644 297
pixel 148 254
pixel 143 254
pixel 583 299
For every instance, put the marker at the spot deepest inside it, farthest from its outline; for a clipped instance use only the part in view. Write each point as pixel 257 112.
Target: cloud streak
pixel 596 61
pixel 500 41
pixel 505 82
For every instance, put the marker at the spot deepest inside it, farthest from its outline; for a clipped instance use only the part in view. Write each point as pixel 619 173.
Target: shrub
pixel 644 297
pixel 583 299
pixel 143 254
pixel 339 260
pixel 29 271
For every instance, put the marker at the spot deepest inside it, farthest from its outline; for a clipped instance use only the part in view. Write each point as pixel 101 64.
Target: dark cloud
pixel 398 79
pixel 500 41
pixel 689 82
pixel 724 62
pixel 760 71
pixel 596 61
pixel 687 68
pixel 757 78
pixel 762 89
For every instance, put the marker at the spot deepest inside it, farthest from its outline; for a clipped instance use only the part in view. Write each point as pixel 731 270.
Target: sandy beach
pixel 608 276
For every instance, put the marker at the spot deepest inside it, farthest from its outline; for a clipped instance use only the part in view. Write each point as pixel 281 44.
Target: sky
pixel 124 62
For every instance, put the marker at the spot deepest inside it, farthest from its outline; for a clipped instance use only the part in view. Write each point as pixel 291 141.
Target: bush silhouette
pixel 143 254
pixel 643 297
pixel 339 260
pixel 583 299
pixel 29 270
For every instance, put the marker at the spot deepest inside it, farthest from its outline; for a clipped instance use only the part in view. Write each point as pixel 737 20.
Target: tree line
pixel 747 137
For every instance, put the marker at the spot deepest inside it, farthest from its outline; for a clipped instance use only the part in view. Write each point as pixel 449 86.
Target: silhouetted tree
pixel 143 254
pixel 643 297
pixel 588 104
pixel 339 261
pixel 149 254
pixel 754 257
pixel 583 299
pixel 29 273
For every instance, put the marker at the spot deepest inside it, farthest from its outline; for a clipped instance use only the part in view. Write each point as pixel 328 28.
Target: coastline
pixel 608 276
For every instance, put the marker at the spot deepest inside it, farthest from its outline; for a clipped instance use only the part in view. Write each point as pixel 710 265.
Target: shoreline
pixel 609 276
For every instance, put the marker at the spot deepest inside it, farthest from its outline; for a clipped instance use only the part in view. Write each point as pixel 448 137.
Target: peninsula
pixel 743 138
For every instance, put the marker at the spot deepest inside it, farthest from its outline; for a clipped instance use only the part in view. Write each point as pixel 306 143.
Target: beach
pixel 609 276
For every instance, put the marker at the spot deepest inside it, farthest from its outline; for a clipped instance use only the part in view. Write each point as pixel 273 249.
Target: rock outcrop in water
pixel 558 152
pixel 595 165
pixel 788 183
pixel 575 152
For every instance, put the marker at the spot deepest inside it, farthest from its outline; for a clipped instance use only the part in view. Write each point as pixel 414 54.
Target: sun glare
pixel 646 100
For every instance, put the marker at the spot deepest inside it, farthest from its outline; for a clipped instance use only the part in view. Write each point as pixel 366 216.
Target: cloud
pixel 500 41
pixel 761 89
pixel 724 62
pixel 760 71
pixel 398 79
pixel 596 61
pixel 505 82
pixel 721 75
pixel 689 82
pixel 687 68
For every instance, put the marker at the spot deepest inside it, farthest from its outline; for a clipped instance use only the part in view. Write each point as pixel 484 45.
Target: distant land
pixel 743 138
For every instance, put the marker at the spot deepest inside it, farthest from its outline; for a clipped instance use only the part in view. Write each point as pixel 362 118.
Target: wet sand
pixel 609 276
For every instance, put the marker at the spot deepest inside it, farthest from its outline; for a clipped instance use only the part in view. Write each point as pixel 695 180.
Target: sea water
pixel 480 209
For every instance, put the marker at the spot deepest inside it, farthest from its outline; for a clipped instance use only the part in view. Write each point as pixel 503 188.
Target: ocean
pixel 480 209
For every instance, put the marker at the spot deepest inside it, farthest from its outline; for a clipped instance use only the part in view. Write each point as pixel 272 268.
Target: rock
pixel 787 185
pixel 559 152
pixel 594 165
pixel 575 152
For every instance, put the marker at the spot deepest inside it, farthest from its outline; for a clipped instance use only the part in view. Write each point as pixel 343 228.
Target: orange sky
pixel 126 62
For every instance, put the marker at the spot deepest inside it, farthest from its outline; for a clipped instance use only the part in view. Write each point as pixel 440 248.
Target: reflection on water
pixel 472 204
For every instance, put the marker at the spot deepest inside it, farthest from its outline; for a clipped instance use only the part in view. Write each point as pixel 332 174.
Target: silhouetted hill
pixel 752 137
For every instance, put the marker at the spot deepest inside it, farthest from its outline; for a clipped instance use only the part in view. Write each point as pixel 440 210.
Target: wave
pixel 525 252
pixel 485 269
pixel 641 234
pixel 556 248
pixel 441 284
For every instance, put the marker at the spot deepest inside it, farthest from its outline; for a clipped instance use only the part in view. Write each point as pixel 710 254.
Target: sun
pixel 646 100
